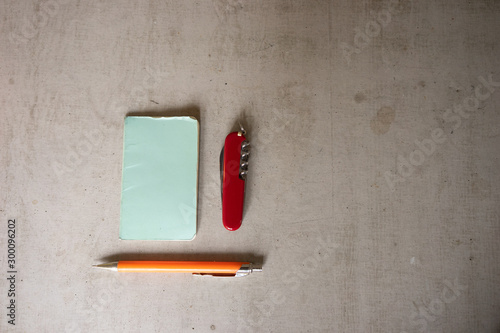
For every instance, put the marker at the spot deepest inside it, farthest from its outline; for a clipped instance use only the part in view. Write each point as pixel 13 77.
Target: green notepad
pixel 160 178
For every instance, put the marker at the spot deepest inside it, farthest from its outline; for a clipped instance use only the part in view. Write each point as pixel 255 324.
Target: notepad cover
pixel 159 178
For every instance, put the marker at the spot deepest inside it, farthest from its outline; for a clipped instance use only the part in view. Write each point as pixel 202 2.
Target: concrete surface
pixel 372 207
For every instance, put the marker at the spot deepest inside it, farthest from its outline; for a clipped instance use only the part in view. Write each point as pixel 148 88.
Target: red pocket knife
pixel 234 169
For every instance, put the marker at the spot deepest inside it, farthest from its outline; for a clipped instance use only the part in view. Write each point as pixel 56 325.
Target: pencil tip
pixel 110 266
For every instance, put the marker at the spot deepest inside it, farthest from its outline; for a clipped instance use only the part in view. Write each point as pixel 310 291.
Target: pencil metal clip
pixel 244 270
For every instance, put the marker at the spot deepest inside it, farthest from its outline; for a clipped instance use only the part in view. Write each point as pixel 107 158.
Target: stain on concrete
pixel 480 187
pixel 359 97
pixel 381 123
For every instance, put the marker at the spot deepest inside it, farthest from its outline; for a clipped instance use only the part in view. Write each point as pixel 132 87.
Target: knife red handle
pixel 234 168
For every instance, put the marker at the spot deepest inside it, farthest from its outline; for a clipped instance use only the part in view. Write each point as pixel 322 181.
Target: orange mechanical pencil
pixel 209 268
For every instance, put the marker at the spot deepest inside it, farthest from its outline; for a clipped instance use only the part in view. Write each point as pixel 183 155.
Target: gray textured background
pixel 335 96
